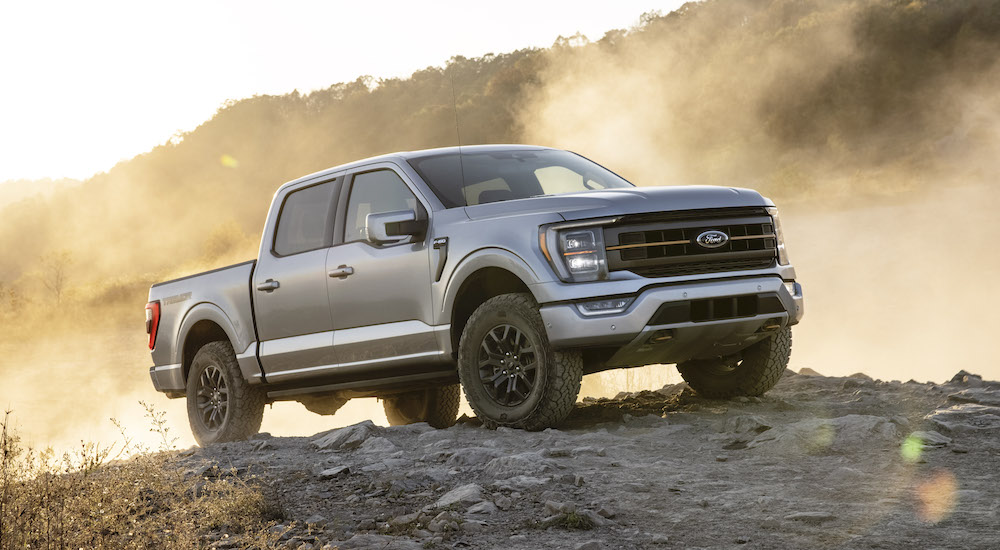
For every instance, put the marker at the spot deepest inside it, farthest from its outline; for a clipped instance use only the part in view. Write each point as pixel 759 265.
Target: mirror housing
pixel 394 227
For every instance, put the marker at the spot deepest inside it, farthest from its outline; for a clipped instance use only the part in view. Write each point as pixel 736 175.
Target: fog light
pixel 604 307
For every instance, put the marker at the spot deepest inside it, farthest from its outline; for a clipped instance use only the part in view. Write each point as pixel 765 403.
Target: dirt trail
pixel 818 462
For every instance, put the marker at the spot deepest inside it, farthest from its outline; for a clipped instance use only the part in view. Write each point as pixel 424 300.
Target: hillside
pixel 794 98
pixel 819 462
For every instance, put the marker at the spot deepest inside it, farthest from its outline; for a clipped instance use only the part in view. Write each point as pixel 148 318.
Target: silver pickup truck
pixel 513 270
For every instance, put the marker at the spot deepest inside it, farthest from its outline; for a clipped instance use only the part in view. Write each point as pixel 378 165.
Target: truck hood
pixel 616 202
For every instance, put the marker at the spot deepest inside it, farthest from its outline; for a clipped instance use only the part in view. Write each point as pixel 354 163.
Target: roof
pixel 408 155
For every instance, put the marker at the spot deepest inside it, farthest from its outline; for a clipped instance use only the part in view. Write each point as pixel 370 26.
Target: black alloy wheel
pixel 213 398
pixel 508 365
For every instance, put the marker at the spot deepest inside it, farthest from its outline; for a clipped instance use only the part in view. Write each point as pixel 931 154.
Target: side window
pixel 306 219
pixel 374 193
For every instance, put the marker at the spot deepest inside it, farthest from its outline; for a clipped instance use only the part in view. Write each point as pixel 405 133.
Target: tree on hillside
pixel 55 272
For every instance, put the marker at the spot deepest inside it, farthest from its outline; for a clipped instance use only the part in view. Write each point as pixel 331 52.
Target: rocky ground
pixel 818 462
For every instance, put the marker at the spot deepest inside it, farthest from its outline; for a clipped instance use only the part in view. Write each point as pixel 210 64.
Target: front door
pixel 381 293
pixel 290 286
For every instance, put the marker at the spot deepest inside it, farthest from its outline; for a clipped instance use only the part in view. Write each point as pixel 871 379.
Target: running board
pixel 362 384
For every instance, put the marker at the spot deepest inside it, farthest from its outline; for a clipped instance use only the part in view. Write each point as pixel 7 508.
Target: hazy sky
pixel 84 85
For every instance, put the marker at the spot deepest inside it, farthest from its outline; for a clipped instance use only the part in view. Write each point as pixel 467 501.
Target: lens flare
pixel 937 497
pixel 229 161
pixel 912 449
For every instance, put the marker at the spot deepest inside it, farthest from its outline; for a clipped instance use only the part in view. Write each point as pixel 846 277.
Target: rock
pixel 861 376
pixel 379 445
pixel 473 527
pixel 553 507
pixel 930 439
pixel 966 379
pixel 606 512
pixel 349 437
pixel 316 520
pixel 966 417
pixel 404 520
pixel 485 507
pixel 522 482
pixel 658 538
pixel 472 456
pixel 981 396
pixel 746 423
pixel 958 449
pixel 555 519
pixel 589 545
pixel 806 371
pixel 811 517
pixel 594 518
pixel 816 435
pixel 721 458
pixel 336 471
pixel 443 523
pixel 371 542
pixel 520 464
pixel 466 495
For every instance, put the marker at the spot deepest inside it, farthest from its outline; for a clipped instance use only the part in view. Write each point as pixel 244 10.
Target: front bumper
pixel 644 337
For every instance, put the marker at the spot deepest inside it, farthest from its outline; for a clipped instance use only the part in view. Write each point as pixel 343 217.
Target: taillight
pixel 152 322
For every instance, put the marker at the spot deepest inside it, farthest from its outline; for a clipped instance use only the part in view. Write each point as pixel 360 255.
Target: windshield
pixel 479 178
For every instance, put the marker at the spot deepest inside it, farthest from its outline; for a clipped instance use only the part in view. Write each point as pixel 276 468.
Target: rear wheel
pixel 509 371
pixel 752 372
pixel 221 405
pixel 436 406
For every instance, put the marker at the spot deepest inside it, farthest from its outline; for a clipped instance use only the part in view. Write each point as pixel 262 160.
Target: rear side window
pixel 375 193
pixel 306 220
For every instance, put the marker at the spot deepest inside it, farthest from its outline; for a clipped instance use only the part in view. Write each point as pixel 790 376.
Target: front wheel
pixel 509 371
pixel 221 405
pixel 752 372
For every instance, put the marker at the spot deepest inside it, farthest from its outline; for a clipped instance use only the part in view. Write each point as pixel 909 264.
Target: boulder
pixel 465 495
pixel 817 435
pixel 966 417
pixel 806 371
pixel 981 396
pixel 530 463
pixel 349 437
pixel 378 445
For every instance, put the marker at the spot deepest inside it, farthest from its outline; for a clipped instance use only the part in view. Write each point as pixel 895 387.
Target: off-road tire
pixel 760 369
pixel 245 407
pixel 435 406
pixel 556 384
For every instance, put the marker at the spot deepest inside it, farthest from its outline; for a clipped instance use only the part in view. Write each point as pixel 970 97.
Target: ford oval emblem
pixel 712 239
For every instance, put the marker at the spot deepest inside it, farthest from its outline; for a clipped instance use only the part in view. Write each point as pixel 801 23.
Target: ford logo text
pixel 712 239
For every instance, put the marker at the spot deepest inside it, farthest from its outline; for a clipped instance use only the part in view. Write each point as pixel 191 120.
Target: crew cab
pixel 507 270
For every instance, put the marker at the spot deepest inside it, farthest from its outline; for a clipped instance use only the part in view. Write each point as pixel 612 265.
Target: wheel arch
pixel 203 324
pixel 480 276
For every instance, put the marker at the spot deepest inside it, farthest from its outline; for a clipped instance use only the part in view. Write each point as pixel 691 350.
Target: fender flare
pixel 481 259
pixel 205 311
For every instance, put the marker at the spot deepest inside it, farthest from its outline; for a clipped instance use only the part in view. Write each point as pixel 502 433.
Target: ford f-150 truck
pixel 513 270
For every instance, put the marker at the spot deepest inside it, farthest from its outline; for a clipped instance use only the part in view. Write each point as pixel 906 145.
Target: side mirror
pixel 394 227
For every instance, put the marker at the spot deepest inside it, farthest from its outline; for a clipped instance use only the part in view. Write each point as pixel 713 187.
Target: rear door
pixel 382 311
pixel 291 301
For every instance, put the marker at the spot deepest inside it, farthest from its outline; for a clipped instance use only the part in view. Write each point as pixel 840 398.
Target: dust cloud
pixel 879 147
pixel 873 124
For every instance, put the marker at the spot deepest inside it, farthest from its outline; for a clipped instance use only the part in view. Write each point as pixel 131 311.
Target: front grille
pixel 665 245
pixel 716 309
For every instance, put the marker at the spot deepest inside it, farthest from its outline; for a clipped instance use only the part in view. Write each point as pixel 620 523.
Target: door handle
pixel 342 272
pixel 269 285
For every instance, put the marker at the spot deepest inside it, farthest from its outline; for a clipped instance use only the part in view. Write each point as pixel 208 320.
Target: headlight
pixel 579 250
pixel 782 253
